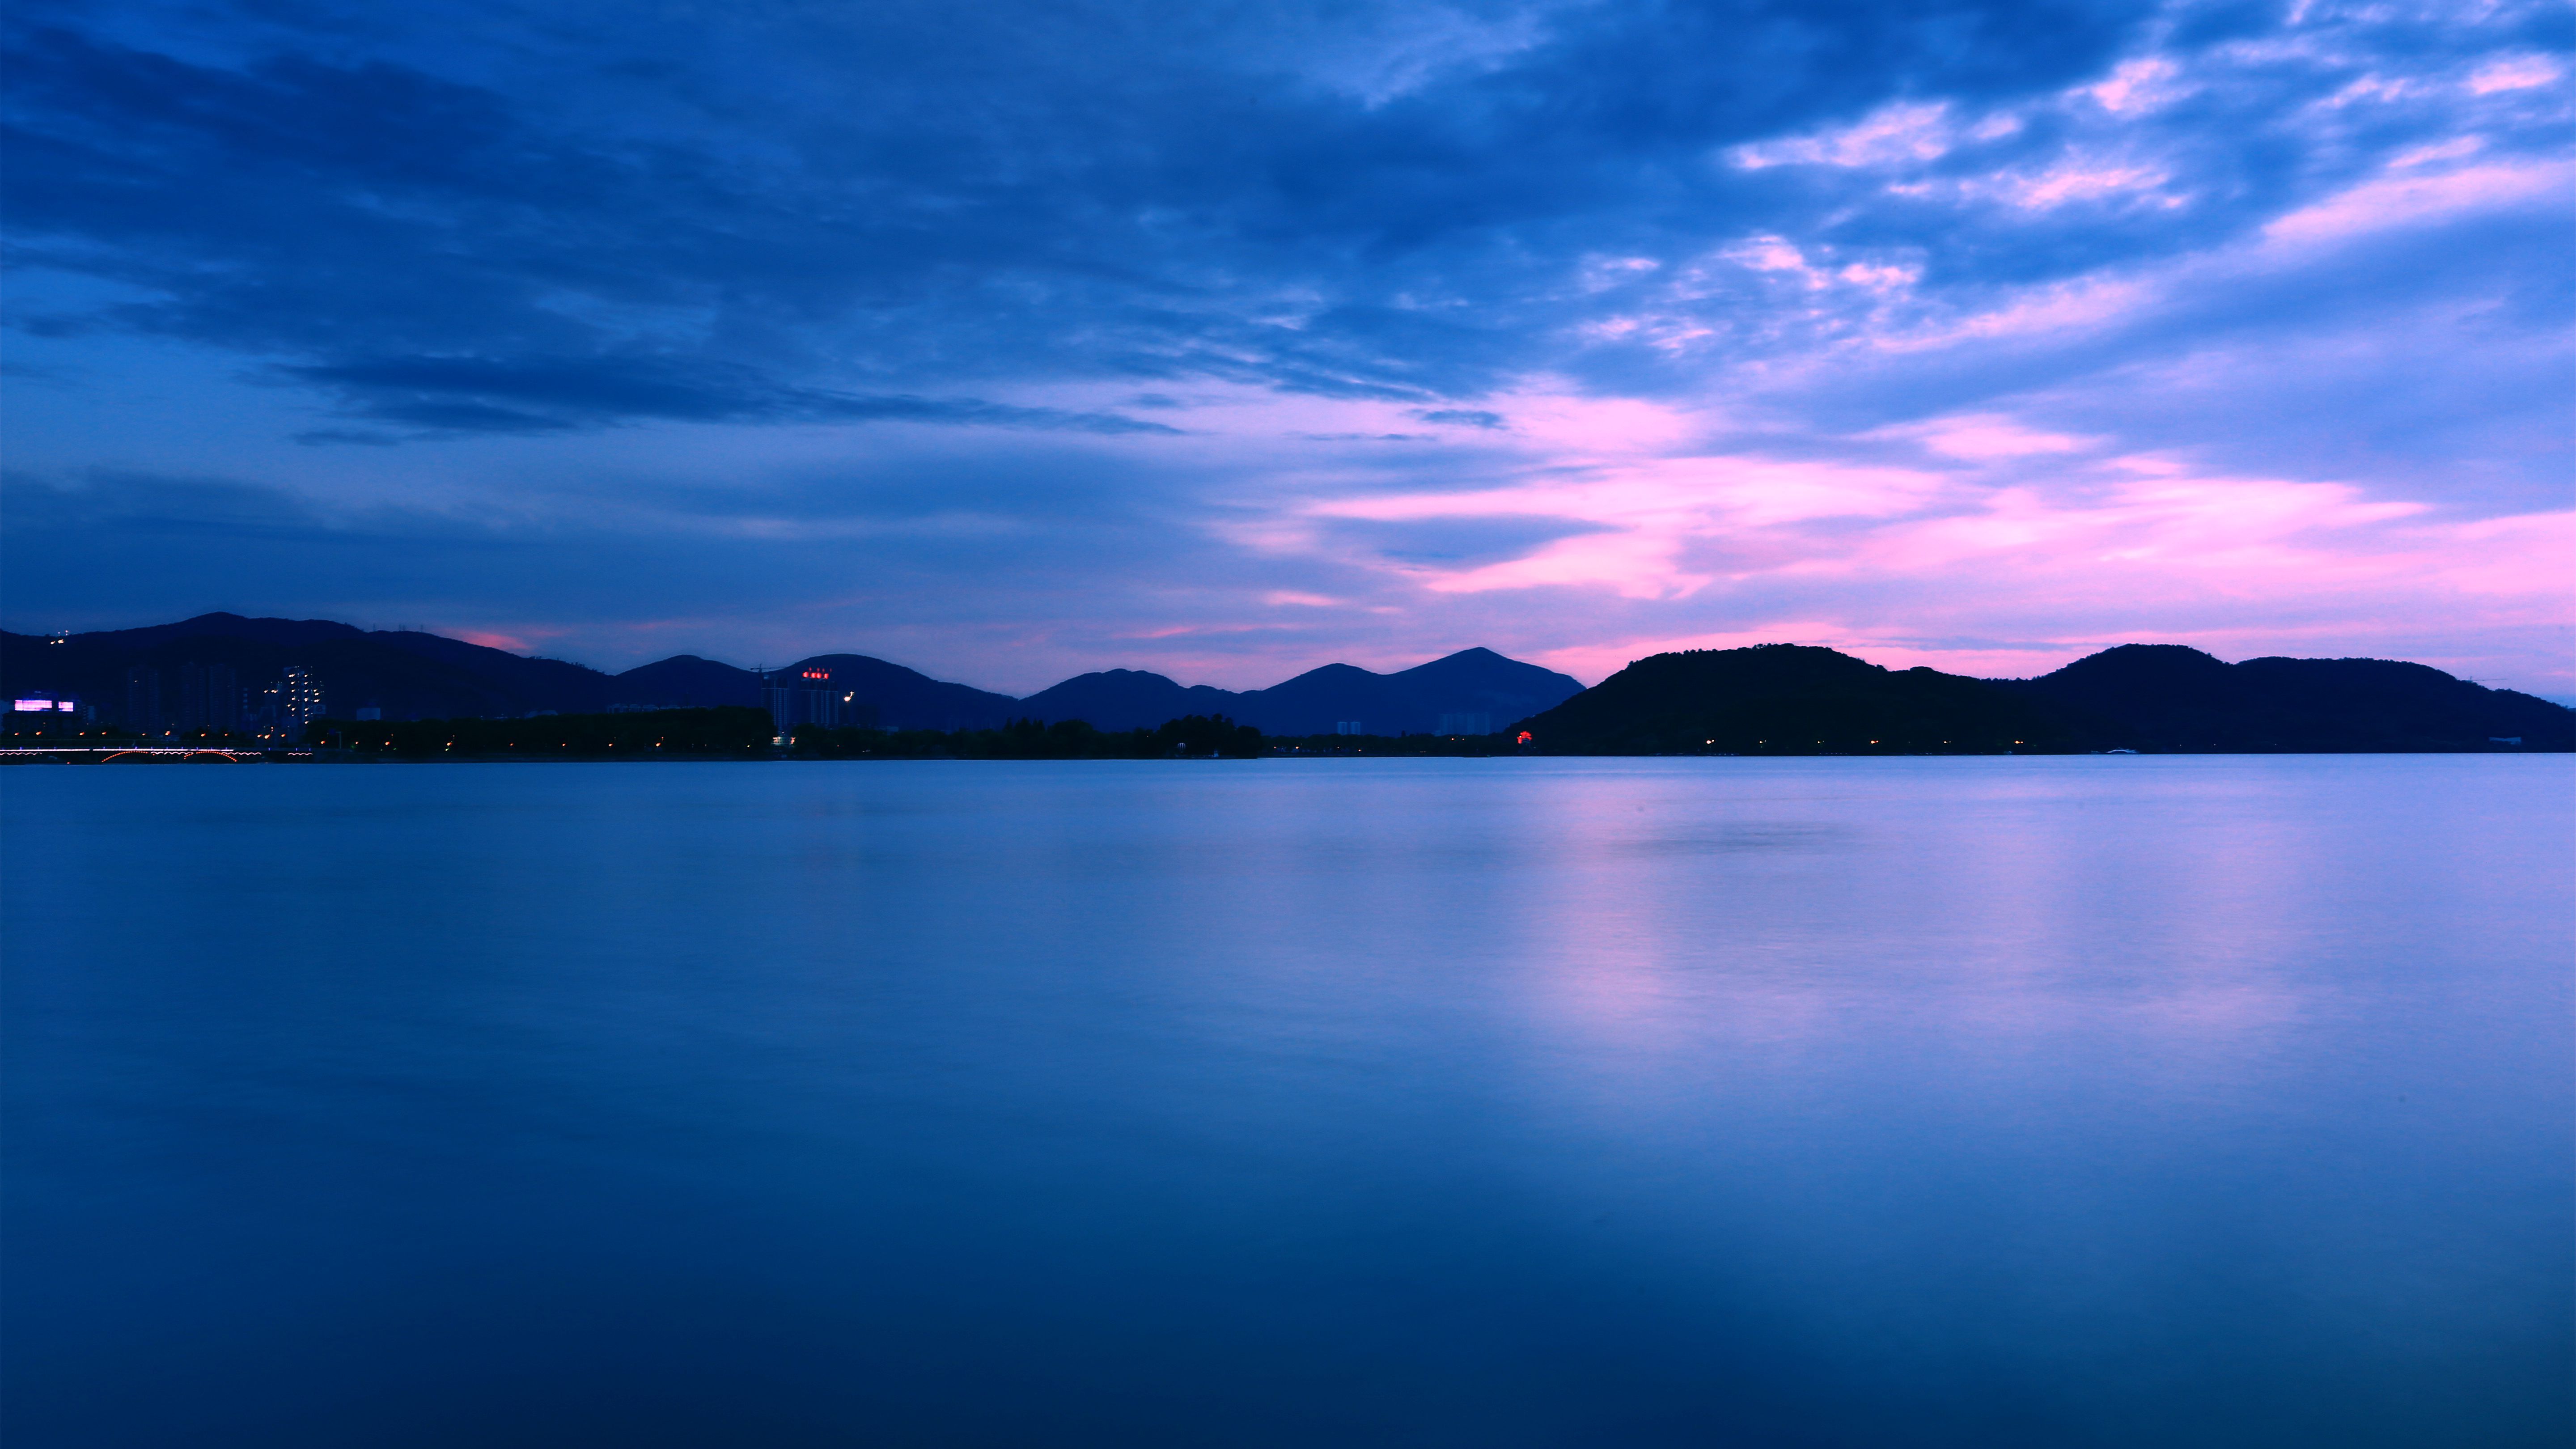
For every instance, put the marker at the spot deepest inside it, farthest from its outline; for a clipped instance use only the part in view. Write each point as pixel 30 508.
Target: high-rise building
pixel 807 697
pixel 143 701
pixel 267 709
pixel 300 698
pixel 1477 723
pixel 209 698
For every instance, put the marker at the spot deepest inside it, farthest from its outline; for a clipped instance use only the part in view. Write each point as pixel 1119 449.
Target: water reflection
pixel 1503 1102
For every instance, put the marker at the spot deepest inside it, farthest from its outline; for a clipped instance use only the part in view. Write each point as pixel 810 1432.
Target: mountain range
pixel 2151 698
pixel 409 674
pixel 1769 699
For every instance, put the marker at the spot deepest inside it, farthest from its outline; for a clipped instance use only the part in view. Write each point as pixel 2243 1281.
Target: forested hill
pixel 2161 697
pixel 1793 699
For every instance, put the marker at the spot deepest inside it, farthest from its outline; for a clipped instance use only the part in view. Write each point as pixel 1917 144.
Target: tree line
pixel 737 732
pixel 1196 736
pixel 722 732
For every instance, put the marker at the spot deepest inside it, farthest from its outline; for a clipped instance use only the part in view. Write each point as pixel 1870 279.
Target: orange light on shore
pixel 1524 739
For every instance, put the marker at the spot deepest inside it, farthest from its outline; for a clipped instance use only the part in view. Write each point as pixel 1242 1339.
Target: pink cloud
pixel 2139 85
pixel 1989 436
pixel 2404 200
pixel 2519 72
pixel 1899 133
pixel 1921 563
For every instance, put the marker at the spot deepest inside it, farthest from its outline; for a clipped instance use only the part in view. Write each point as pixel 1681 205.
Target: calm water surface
pixel 2219 1101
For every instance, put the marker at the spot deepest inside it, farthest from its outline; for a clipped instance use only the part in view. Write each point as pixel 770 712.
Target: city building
pixel 299 699
pixel 1348 727
pixel 1467 724
pixel 210 698
pixel 143 702
pixel 45 714
pixel 266 709
pixel 808 697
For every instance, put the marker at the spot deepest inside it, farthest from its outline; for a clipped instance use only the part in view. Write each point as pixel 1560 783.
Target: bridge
pixel 108 754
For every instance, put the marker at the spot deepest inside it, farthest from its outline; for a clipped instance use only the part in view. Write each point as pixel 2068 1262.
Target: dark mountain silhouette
pixel 227 626
pixel 2166 697
pixel 409 674
pixel 1776 698
pixel 547 683
pixel 684 681
pixel 368 667
pixel 1411 701
pixel 413 675
pixel 1788 699
pixel 907 699
pixel 1793 700
pixel 1126 699
pixel 901 698
pixel 405 673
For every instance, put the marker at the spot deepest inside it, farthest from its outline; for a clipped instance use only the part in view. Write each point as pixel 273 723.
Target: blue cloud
pixel 1456 541
pixel 305 199
pixel 543 394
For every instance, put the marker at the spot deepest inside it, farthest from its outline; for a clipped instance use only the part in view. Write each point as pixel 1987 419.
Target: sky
pixel 1009 341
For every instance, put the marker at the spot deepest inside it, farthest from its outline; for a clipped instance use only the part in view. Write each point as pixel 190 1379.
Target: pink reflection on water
pixel 1699 935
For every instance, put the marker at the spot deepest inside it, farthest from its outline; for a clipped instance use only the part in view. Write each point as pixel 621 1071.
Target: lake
pixel 1829 1102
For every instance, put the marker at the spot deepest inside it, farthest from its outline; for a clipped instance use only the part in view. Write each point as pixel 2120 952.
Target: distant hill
pixel 412 675
pixel 1775 698
pixel 407 674
pixel 1471 681
pixel 1410 701
pixel 1126 699
pixel 910 700
pixel 2166 697
pixel 901 698
pixel 1791 699
pixel 684 681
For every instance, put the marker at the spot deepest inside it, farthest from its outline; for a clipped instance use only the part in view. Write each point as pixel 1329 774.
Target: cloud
pixel 1220 219
pixel 545 394
pixel 1561 327
pixel 1449 543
